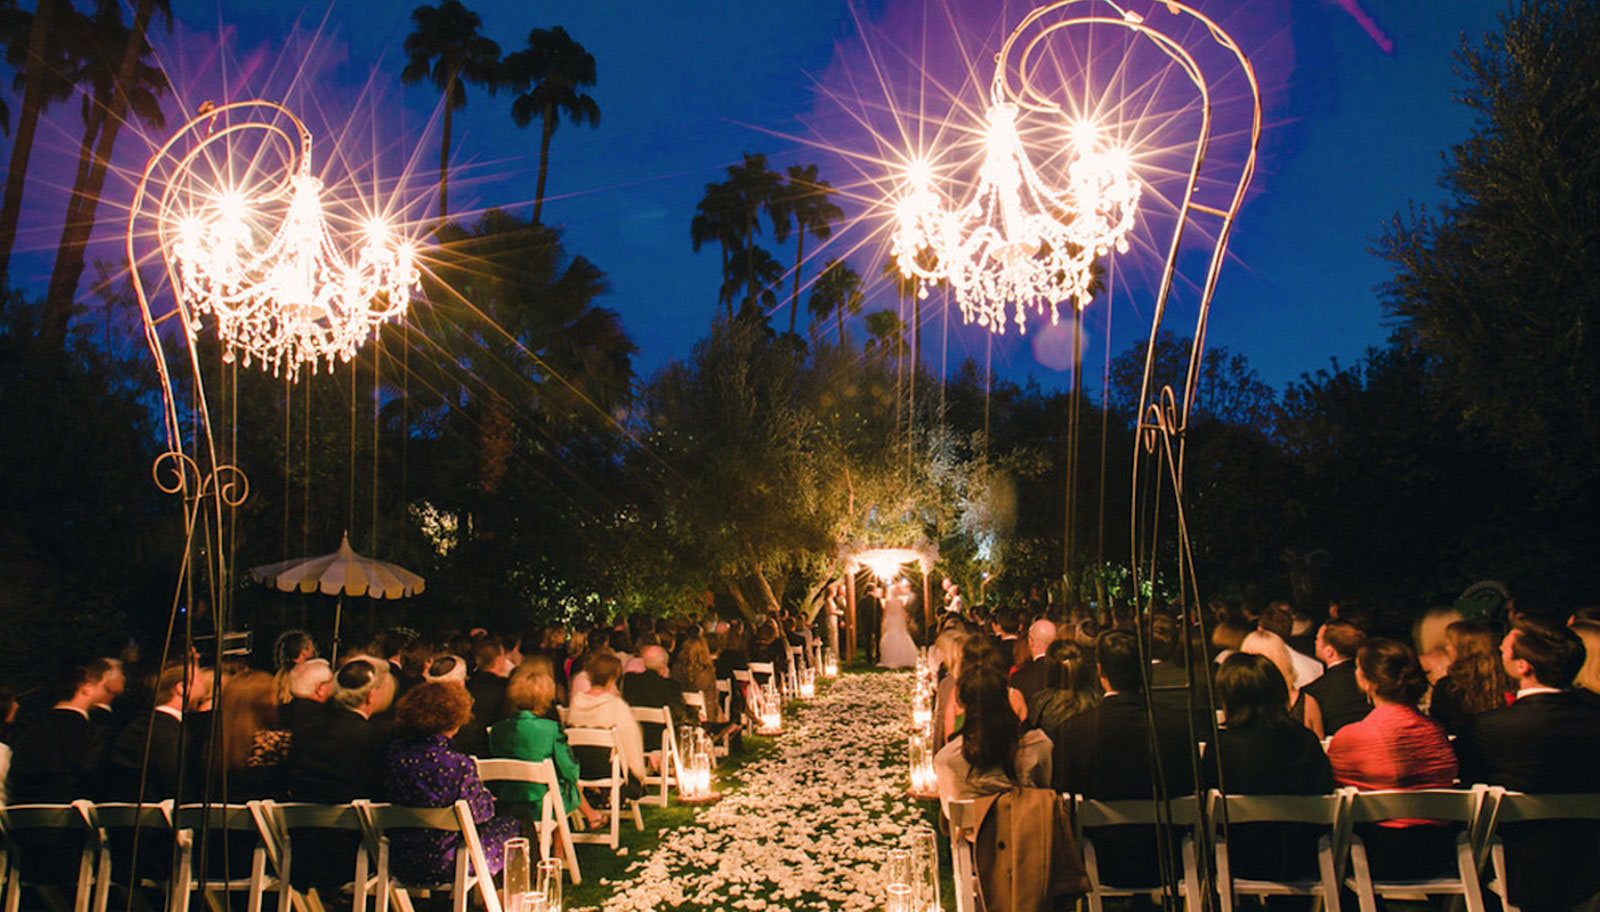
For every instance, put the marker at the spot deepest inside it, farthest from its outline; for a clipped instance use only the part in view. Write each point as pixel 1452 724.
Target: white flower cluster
pixel 810 826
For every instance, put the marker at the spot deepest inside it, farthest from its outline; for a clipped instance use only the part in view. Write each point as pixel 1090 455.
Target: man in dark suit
pixel 336 757
pixel 1547 741
pixel 1106 753
pixel 869 622
pixel 1336 692
pixel 57 759
pixel 160 733
pixel 653 688
pixel 487 683
pixel 1035 673
pixel 310 685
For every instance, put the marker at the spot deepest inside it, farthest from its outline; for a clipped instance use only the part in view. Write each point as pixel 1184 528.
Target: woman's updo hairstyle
pixel 1393 670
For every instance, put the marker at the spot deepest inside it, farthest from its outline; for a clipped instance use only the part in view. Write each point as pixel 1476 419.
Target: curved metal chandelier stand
pixel 253 255
pixel 1018 241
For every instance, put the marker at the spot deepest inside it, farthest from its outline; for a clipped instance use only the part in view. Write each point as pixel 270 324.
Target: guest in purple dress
pixel 424 771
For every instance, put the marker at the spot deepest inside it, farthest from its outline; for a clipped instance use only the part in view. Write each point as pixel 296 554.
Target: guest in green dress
pixel 529 734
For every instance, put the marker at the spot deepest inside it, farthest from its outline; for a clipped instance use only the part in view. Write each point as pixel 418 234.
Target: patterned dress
pixel 426 772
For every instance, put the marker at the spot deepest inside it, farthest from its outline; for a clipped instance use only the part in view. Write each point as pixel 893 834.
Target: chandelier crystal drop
pixel 1018 240
pixel 269 271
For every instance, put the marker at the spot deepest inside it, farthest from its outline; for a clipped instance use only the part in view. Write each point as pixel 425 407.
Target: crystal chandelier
pixel 1018 240
pixel 269 270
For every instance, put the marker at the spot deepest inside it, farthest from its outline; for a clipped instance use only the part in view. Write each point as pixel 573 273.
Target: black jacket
pixel 1542 743
pixel 1341 700
pixel 57 759
pixel 337 758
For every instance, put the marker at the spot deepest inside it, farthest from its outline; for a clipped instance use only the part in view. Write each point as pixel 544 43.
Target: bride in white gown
pixel 896 649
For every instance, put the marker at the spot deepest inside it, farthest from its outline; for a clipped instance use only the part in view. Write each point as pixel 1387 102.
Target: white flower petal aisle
pixel 811 824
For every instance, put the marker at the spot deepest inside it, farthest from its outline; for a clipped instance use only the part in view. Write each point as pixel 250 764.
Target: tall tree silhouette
pixel 136 86
pixel 550 74
pixel 836 291
pixel 37 73
pixel 758 191
pixel 807 200
pixel 719 219
pixel 448 50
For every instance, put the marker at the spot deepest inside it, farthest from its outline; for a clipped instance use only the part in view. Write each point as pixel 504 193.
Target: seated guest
pixel 1105 752
pixel 56 760
pixel 1303 707
pixel 1546 741
pixel 694 672
pixel 947 661
pixel 338 757
pixel 1278 618
pixel 601 706
pixel 1030 678
pixel 1396 747
pixel 254 745
pixel 1336 693
pixel 158 733
pixel 529 735
pixel 770 646
pixel 1070 687
pixel 1586 624
pixel 992 754
pixel 1262 751
pixel 310 685
pixel 422 771
pixel 1476 679
pixel 652 688
pixel 487 683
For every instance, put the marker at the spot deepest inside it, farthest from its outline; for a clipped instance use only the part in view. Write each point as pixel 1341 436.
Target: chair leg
pixel 258 879
pixel 13 886
pixel 82 897
pixel 1466 864
pixel 1191 877
pixel 638 817
pixel 102 882
pixel 1330 879
pixel 1365 894
pixel 458 887
pixel 1497 856
pixel 1224 878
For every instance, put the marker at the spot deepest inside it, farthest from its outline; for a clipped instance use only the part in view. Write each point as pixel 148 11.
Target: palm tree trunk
pixel 799 256
pixel 544 160
pixel 85 199
pixel 27 123
pixel 444 152
pixel 841 324
pixel 729 301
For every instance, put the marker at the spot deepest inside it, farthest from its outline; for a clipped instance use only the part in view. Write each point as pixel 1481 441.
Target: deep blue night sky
pixel 1353 133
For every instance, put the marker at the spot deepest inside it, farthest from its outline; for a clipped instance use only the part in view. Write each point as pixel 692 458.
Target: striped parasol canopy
pixel 344 572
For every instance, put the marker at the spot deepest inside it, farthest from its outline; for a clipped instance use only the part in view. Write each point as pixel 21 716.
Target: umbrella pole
pixel 338 612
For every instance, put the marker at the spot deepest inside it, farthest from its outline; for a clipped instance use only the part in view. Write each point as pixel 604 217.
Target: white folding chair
pixel 73 821
pixel 605 739
pixel 797 661
pixel 1089 814
pixel 288 819
pixel 963 854
pixel 1327 811
pixel 1461 806
pixel 760 672
pixel 696 701
pixel 472 866
pixel 1520 807
pixel 725 694
pixel 245 822
pixel 746 682
pixel 562 712
pixel 552 814
pixel 117 822
pixel 665 756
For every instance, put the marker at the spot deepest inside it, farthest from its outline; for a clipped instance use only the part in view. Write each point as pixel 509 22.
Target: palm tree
pixel 758 273
pixel 718 219
pixel 549 73
pixel 448 51
pixel 757 191
pixel 33 48
pixel 836 291
pixel 807 200
pixel 887 332
pixel 137 87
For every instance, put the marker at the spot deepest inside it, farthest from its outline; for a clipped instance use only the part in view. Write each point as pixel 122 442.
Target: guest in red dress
pixel 1396 747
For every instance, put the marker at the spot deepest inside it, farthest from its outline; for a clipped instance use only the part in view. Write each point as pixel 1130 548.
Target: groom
pixel 869 622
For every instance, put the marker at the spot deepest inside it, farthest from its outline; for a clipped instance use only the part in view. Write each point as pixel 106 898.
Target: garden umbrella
pixel 342 573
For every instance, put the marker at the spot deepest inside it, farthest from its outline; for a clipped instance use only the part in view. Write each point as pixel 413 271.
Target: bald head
pixel 655 659
pixel 1040 635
